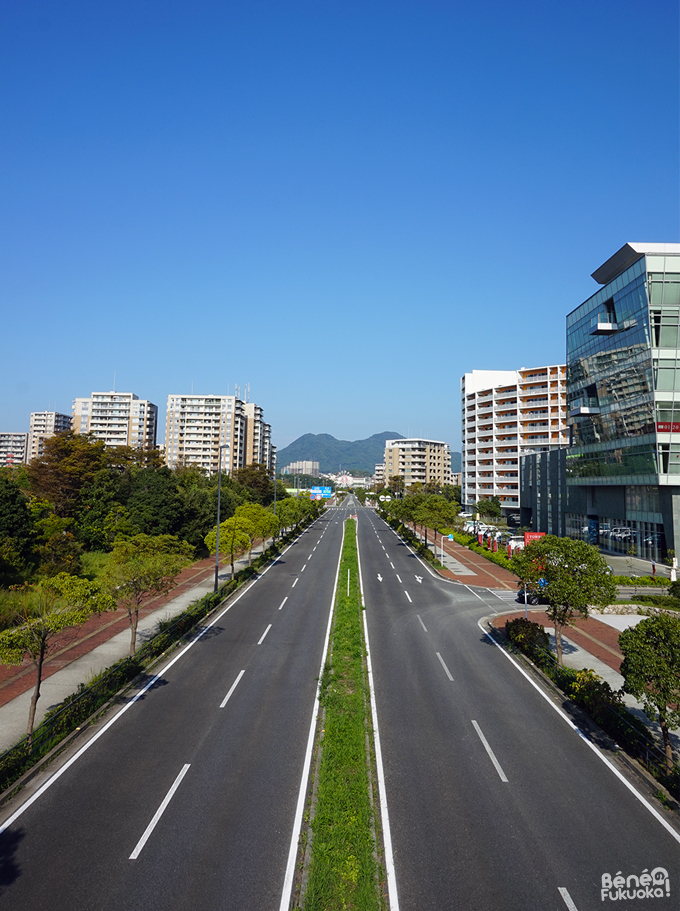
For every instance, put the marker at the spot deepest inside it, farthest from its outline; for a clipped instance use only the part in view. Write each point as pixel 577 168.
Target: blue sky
pixel 346 205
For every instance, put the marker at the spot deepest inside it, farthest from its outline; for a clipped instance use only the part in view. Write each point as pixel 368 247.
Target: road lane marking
pixel 419 580
pixel 387 555
pixel 399 578
pixel 379 578
pixel 264 634
pixel 294 584
pixel 408 596
pixel 309 558
pixel 159 812
pixel 492 757
pixel 283 602
pixel 391 564
pixel 303 568
pixel 286 894
pixel 233 687
pixel 565 717
pixel 568 901
pixel 474 593
pixel 421 622
pixel 443 664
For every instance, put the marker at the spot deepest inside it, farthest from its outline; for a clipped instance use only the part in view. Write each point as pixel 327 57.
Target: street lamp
pixel 219 497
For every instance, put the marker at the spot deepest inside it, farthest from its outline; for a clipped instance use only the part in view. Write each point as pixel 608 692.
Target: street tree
pixel 437 512
pixel 258 523
pixel 489 508
pixel 41 614
pixel 233 539
pixel 17 534
pixel 651 672
pixel 68 462
pixel 256 479
pixel 141 567
pixel 571 576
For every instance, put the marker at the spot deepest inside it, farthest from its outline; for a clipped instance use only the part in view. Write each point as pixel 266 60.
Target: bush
pixel 594 694
pixel 665 601
pixel 531 638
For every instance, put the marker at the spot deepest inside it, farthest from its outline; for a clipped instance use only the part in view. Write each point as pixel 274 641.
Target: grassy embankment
pixel 343 871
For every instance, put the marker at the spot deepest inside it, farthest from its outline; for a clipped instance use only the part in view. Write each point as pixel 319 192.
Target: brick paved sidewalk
pixel 481 572
pixel 592 635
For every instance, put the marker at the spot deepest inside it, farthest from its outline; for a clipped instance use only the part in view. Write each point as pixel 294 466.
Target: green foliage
pixel 17 534
pixel 490 508
pixel 342 872
pixel 571 576
pixel 594 694
pixel 141 567
pixel 69 461
pixel 651 670
pixel 256 481
pixel 529 637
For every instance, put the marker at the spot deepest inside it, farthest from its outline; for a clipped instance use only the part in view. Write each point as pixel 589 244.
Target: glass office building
pixel 623 403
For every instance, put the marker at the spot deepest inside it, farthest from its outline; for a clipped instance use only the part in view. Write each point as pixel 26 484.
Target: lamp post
pixel 219 497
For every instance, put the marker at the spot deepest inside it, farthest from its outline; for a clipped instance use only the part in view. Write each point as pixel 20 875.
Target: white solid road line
pixel 231 690
pixel 399 578
pixel 283 602
pixel 492 757
pixel 421 622
pixel 612 768
pixel 408 596
pixel 568 901
pixel 443 664
pixel 159 812
pixel 264 634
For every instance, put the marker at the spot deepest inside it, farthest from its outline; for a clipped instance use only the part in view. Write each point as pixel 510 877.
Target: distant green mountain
pixel 332 454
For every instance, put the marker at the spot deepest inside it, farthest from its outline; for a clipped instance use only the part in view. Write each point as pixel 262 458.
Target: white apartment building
pixel 418 461
pixel 117 418
pixel 506 414
pixel 198 425
pixel 13 448
pixel 44 424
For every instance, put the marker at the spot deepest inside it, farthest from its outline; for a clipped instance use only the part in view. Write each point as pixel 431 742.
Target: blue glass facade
pixel 623 402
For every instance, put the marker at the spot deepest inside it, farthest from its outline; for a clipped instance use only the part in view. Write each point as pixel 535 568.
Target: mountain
pixel 332 454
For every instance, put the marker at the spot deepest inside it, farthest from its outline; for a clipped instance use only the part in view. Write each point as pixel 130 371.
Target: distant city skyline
pixel 347 207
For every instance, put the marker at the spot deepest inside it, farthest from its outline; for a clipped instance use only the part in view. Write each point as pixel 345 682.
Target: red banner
pixel 530 536
pixel 668 427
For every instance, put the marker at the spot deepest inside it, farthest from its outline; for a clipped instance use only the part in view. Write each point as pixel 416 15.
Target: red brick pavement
pixel 74 643
pixel 596 637
pixel 487 574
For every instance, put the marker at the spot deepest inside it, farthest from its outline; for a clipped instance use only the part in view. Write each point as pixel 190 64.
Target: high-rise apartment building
pixel 13 448
pixel 304 466
pixel 505 414
pixel 198 425
pixel 117 418
pixel 418 461
pixel 45 424
pixel 623 389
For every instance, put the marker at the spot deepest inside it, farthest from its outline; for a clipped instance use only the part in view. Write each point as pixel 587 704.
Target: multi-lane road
pixel 189 797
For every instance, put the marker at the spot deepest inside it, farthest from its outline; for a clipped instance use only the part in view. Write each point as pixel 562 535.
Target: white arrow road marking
pixel 419 579
pixel 379 578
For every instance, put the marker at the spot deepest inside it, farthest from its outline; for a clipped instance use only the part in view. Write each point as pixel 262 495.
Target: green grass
pixel 343 868
pixel 94 564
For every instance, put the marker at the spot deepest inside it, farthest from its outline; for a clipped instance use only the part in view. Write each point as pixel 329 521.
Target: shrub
pixel 594 694
pixel 531 638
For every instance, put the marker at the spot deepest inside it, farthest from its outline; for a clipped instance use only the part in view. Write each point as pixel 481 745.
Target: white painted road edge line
pixel 287 891
pixel 264 634
pixel 474 593
pixel 86 746
pixel 159 812
pixel 443 664
pixel 492 756
pixel 612 768
pixel 231 690
pixel 392 896
pixel 283 602
pixel 421 622
pixel 568 901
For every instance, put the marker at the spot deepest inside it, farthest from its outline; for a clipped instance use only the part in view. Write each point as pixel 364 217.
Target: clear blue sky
pixel 346 205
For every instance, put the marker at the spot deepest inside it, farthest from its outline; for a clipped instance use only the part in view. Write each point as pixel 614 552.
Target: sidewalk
pixel 95 646
pixel 594 644
pixel 466 566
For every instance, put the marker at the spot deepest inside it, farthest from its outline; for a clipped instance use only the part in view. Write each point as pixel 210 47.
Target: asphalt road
pixel 494 801
pixel 229 774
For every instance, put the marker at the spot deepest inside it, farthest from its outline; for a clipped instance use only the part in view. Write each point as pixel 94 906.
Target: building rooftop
pixel 626 256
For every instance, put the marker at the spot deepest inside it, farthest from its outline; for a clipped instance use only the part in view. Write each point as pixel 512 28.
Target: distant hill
pixel 332 454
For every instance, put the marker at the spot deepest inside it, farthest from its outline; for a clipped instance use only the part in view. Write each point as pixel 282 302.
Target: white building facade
pixel 504 415
pixel 45 424
pixel 117 418
pixel 13 448
pixel 418 461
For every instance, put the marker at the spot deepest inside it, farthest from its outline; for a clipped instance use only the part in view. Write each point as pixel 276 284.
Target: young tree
pixel 43 613
pixel 651 671
pixel 143 566
pixel 490 509
pixel 257 522
pixel 571 575
pixel 233 539
pixel 436 513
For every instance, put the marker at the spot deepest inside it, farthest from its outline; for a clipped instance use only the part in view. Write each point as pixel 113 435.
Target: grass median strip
pixel 343 871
